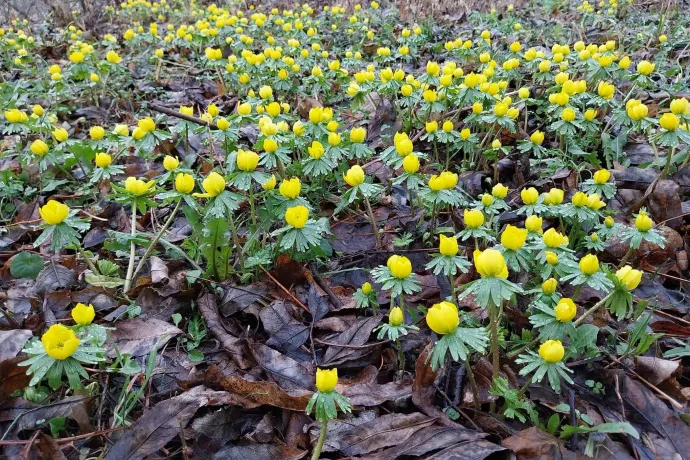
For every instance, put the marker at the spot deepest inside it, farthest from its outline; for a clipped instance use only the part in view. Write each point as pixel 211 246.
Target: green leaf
pixel 195 356
pixel 553 423
pixel 57 425
pixel 103 281
pixel 26 265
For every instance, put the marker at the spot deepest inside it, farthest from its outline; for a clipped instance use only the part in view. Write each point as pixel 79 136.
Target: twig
pixel 64 440
pixel 182 116
pixel 354 347
pixel 326 288
pixel 653 387
pixel 286 290
pixel 454 406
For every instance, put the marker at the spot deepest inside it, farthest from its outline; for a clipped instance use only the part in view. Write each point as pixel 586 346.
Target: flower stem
pixel 473 382
pixel 373 222
pixel 401 355
pixel 155 240
pixel 493 313
pixel 88 261
pixel 626 256
pixel 236 240
pixel 251 204
pixel 132 248
pixel 319 444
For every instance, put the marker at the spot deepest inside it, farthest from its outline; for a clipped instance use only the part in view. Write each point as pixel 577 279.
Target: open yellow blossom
pixel 513 238
pixel 490 264
pixel 529 196
pixel 170 163
pixel 448 246
pixel 643 222
pixel 184 183
pixel 552 351
pixel 297 216
pixel 53 212
pixel 354 176
pixel 290 188
pixel 138 187
pixel 629 277
pixel 103 160
pixel 39 148
pixel 247 160
pixel 565 310
pixel 473 218
pixel 59 342
pixel 534 224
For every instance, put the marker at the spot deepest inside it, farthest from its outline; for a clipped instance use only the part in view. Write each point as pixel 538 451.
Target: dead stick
pixel 286 290
pixel 63 440
pixel 182 116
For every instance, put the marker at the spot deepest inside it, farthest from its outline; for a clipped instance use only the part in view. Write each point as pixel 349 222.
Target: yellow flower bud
pixel 358 134
pixel 448 246
pixel 366 288
pixel 184 183
pixel 529 196
pixel 643 222
pixel 645 68
pixel 579 199
pixel 396 317
pixel 553 239
pixel 669 121
pixel 170 163
pixel 537 137
pixel 609 222
pixel 513 238
pixel 499 191
pixel 404 147
pixel 551 258
pixel 534 224
pixel 39 148
pixel 316 150
pixel 83 314
pixel 411 163
pixel 399 266
pixel 589 264
pixel 487 199
pixel 549 286
pixel 103 160
pixel 490 264
pixel 565 310
pixel 326 380
pixel 442 318
pixel 473 218
pixel 270 183
pixel 244 109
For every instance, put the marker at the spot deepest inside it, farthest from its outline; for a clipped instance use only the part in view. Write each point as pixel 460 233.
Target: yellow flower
pixel 594 202
pixel 103 160
pixel 513 238
pixel 669 121
pixel 551 351
pixel 76 57
pixel 589 264
pixel 490 264
pixel 679 106
pixel 358 134
pixel 244 109
pixel 395 316
pixel 447 126
pixel 530 196
pixel 97 133
pixel 184 183
pixel 213 185
pixel 138 133
pixel 645 68
pixel 643 222
pixel 565 310
pixel 187 110
pixel 147 125
pixel 265 92
pixel 223 124
pixel 59 342
pixel 247 160
pixel 442 318
pixel 39 148
pixel 399 266
pixel 579 199
pixel 411 163
pixel 290 188
pixel 448 246
pixel 473 218
pixel 83 314
pixel 270 184
pixel 523 93
pixel 609 222
pixel 590 114
pixel 404 147
pixel 602 176
pixel 499 191
pixel 436 183
pixel 354 176
pixel 553 239
pixel 60 134
pixel 551 258
pixel 534 224
pixel 326 380
pixel 629 277
pixel 554 197
pixel 487 199
pixel 53 212
pixel 333 138
pixel 138 187
pixel 549 286
pixel 450 180
pixel 112 57
pixel 606 90
pixel 37 110
pixel 465 134
pixel 429 95
pixel 496 144
pixel 121 130
pixel 636 110
pixel 170 163
pixel 297 216
pixel 568 114
pixel 366 288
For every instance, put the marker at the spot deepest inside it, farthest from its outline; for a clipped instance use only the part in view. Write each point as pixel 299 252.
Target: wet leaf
pixel 12 377
pixel 54 277
pixel 356 335
pixel 12 342
pixel 285 371
pixel 138 337
pixel 285 331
